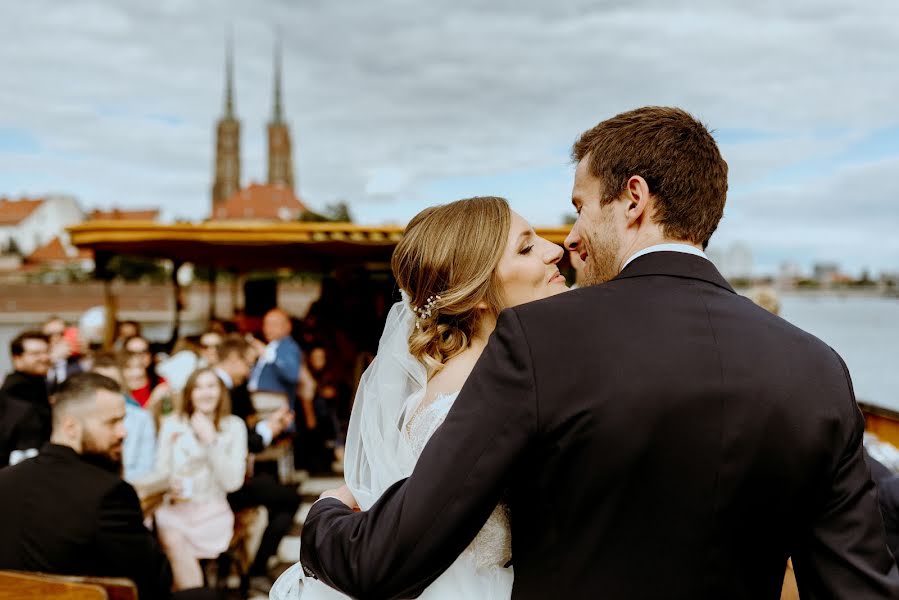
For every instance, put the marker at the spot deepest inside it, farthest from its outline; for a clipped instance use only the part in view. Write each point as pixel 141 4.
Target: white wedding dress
pixel 389 428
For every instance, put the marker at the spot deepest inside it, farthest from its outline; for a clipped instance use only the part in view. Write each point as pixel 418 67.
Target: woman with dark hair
pixel 203 453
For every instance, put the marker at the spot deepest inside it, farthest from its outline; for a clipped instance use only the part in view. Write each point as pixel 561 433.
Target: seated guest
pixel 18 423
pixel 260 489
pixel 67 511
pixel 64 360
pixel 140 346
pixel 24 402
pixel 320 436
pixel 139 451
pixel 209 344
pixel 137 381
pixel 125 331
pixel 278 366
pixel 203 453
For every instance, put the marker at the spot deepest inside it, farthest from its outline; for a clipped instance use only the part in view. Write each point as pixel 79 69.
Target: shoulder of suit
pixel 566 302
pixel 89 476
pixel 787 330
pixel 119 493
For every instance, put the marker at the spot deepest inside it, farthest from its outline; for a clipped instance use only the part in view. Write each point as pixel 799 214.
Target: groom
pixel 656 437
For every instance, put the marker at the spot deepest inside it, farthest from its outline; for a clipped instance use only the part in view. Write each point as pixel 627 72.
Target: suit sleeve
pixel 287 363
pixel 845 555
pixel 125 547
pixel 420 525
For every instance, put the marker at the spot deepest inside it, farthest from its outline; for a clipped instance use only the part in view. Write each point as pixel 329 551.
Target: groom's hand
pixel 343 494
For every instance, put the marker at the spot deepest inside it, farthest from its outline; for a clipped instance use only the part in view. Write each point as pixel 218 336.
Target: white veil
pixel 378 453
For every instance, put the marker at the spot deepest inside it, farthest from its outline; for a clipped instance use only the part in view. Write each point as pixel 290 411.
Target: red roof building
pixel 56 252
pixel 13 212
pixel 261 202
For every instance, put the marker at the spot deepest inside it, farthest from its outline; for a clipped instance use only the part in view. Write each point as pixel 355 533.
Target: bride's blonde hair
pixel 446 263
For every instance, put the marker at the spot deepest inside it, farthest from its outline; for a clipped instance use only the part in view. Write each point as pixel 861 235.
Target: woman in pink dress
pixel 202 452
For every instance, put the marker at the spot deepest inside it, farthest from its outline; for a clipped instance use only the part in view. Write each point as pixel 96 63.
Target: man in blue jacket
pixel 278 367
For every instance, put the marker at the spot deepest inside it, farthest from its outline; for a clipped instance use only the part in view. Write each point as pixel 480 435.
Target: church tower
pixel 227 141
pixel 280 165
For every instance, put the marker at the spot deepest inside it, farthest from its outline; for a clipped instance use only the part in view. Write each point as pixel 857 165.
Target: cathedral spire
pixel 229 75
pixel 279 112
pixel 280 165
pixel 226 179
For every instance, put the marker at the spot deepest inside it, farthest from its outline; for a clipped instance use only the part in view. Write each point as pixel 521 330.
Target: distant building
pixel 226 181
pixel 265 202
pixel 58 253
pixel 789 274
pixel 790 270
pixel 280 164
pixel 277 199
pixel 888 279
pixel 29 223
pixel 734 261
pixel 826 272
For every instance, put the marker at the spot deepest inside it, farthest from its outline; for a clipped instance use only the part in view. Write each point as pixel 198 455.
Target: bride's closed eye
pixel 526 250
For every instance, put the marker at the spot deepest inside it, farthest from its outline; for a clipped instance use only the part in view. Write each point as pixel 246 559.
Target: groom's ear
pixel 636 195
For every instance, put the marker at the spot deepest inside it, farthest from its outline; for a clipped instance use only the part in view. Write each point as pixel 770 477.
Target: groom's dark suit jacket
pixel 656 437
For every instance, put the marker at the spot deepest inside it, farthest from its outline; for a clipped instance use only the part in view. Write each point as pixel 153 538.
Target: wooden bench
pixel 21 585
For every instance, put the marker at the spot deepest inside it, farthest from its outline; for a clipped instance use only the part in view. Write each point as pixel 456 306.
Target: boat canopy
pixel 245 246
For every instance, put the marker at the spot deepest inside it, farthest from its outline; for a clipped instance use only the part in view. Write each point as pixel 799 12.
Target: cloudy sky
pixel 396 105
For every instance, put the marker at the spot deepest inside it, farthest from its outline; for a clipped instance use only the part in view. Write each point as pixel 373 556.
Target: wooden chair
pixel 790 591
pixel 238 557
pixel 20 585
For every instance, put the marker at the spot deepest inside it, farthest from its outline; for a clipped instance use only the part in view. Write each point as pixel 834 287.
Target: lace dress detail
pixel 492 547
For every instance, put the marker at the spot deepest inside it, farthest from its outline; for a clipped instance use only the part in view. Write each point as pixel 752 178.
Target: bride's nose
pixel 553 253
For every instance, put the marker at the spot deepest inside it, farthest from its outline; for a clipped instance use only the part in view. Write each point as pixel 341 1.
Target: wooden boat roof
pixel 248 245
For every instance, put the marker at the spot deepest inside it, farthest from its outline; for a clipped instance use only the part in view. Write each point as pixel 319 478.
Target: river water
pixel 863 330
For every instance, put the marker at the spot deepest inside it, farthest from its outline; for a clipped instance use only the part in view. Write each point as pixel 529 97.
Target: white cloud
pixel 391 102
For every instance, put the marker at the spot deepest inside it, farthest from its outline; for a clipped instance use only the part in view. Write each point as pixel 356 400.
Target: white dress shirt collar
pixel 670 247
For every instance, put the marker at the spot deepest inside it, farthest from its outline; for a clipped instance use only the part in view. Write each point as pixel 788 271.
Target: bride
pixel 458 265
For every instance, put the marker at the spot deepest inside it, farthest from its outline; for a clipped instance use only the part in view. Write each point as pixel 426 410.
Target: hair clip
pixel 425 311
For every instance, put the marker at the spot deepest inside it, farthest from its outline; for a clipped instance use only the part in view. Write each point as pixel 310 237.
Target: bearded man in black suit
pixel 67 511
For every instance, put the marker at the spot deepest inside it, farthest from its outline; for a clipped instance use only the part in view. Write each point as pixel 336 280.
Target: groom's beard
pixel 602 256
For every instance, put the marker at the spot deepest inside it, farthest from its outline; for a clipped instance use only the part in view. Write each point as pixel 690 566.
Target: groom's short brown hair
pixel 674 153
